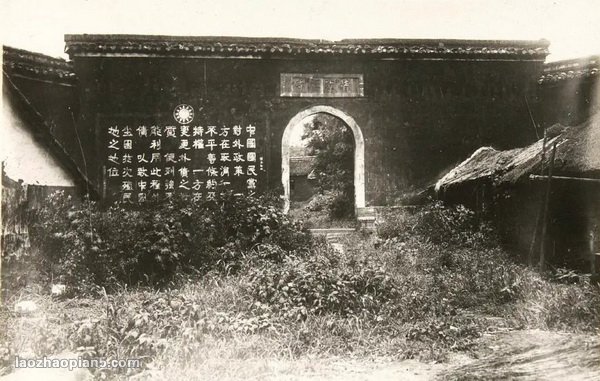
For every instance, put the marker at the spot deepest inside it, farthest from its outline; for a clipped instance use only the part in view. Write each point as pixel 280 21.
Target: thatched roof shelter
pixel 577 155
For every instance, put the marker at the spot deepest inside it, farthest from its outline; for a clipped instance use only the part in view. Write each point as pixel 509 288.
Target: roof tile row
pixel 81 44
pixel 36 64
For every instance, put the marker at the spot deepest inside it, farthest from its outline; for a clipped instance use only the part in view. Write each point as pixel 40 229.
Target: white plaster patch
pixel 24 158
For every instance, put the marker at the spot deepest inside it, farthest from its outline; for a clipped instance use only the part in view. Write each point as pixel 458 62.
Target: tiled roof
pixel 36 64
pixel 285 47
pixel 570 69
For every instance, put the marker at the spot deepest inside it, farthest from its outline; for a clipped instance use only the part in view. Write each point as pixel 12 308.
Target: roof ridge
pixel 575 68
pixel 36 64
pixel 12 52
pixel 592 60
pixel 208 45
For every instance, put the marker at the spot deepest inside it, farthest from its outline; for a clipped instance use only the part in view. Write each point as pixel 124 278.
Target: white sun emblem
pixel 183 114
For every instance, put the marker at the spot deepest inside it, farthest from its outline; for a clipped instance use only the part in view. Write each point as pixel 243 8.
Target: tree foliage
pixel 332 143
pixel 87 244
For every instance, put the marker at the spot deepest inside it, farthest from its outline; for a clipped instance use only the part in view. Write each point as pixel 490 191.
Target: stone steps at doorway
pixel 366 217
pixel 332 231
pixel 333 236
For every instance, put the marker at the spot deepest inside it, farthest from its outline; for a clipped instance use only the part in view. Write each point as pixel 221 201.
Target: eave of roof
pixel 37 65
pixel 83 44
pixel 577 68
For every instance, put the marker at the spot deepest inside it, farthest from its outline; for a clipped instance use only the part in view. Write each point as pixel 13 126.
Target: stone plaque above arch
pixel 322 85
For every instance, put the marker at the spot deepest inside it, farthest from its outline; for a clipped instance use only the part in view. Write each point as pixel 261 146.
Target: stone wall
pixel 418 117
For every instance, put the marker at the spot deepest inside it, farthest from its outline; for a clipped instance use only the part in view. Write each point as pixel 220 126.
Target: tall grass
pixel 402 293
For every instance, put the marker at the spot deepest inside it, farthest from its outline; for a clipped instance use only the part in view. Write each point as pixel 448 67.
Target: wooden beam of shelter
pixel 546 177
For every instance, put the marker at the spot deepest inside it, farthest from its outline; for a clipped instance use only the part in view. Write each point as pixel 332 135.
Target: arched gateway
pixel 359 152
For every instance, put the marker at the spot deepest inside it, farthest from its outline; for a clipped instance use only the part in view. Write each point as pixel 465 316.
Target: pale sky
pixel 572 27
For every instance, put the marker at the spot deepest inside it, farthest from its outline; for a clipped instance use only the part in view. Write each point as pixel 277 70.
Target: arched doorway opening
pixel 290 135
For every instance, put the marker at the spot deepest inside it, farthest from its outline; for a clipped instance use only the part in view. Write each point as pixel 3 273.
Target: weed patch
pixel 266 288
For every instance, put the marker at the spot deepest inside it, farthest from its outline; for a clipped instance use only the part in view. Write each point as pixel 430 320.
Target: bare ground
pixel 514 355
pixel 534 355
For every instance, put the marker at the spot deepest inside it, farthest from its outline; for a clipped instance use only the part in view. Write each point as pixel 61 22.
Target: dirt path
pixel 304 369
pixel 534 355
pixel 346 370
pixel 516 355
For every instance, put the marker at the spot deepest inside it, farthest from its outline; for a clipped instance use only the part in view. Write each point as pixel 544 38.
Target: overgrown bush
pixel 456 332
pixel 87 244
pixel 142 327
pixel 459 257
pixel 545 304
pixel 440 224
pixel 319 284
pixel 405 293
pixel 341 206
pixel 330 209
pixel 319 202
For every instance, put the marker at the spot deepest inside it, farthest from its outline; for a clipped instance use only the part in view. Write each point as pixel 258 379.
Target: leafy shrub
pixel 324 211
pixel 317 284
pixel 548 305
pixel 341 206
pixel 456 332
pixel 141 326
pixel 87 244
pixel 319 202
pixel 442 225
pixel 461 266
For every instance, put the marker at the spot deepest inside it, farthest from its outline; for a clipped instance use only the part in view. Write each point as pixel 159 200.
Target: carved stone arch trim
pixel 359 152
